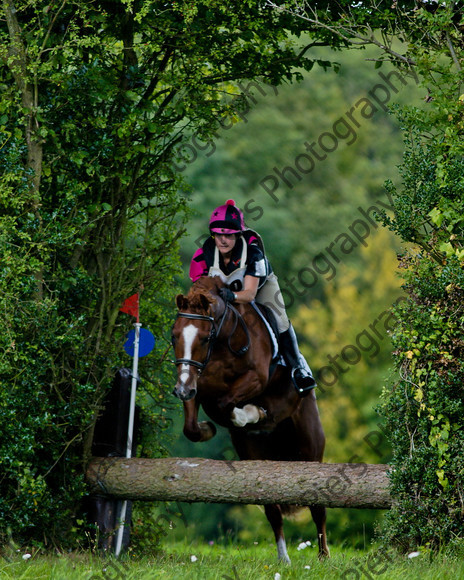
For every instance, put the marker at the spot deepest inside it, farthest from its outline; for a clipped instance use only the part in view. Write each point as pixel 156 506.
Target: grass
pixel 197 561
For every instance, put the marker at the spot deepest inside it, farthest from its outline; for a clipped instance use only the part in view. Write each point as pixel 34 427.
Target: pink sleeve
pixel 198 267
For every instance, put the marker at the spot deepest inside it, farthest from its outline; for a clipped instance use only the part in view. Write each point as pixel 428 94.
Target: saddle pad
pixel 268 318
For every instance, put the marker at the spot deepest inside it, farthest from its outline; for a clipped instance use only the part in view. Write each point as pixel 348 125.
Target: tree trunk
pixel 354 485
pixel 16 57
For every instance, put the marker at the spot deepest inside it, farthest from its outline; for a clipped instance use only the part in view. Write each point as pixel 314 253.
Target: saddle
pixel 268 317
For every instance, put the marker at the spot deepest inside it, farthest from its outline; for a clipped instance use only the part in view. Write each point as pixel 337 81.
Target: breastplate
pixel 235 279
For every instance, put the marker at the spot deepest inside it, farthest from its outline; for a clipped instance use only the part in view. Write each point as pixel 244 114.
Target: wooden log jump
pixel 352 485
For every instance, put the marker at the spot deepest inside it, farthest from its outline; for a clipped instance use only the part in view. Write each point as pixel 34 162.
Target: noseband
pixel 213 335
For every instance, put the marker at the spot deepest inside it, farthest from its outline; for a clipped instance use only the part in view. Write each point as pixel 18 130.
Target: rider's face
pixel 225 242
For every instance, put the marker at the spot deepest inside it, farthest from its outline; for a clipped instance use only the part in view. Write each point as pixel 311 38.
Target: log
pixel 353 485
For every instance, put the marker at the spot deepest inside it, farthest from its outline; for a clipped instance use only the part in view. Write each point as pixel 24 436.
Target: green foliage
pixel 347 341
pixel 432 173
pixel 305 214
pixel 424 409
pixel 56 360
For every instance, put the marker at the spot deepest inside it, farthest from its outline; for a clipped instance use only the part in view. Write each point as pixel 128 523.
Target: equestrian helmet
pixel 227 219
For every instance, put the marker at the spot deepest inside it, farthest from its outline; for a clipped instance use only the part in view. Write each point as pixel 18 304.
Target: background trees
pixel 423 408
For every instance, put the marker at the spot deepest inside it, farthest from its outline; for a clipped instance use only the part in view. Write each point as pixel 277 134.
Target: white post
pixel 130 432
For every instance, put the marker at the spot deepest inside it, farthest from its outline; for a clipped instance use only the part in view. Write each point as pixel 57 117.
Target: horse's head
pixel 193 333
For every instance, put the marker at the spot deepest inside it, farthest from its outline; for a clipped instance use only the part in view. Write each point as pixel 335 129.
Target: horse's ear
pixel 205 302
pixel 181 301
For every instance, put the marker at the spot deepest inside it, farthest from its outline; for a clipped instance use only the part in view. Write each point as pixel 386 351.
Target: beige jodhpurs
pixel 271 296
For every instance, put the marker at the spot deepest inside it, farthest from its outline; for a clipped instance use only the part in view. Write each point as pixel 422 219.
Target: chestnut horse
pixel 223 356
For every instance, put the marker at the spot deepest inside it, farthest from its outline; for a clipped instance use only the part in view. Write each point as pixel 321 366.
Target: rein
pixel 214 335
pixel 238 318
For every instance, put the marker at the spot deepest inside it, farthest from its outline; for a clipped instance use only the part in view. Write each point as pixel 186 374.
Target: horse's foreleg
pixel 247 387
pixel 194 430
pixel 274 515
pixel 249 414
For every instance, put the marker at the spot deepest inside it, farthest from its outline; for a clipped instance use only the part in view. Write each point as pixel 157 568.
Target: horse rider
pixel 236 254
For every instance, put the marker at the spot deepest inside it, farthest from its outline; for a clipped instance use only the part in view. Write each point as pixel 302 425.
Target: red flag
pixel 131 306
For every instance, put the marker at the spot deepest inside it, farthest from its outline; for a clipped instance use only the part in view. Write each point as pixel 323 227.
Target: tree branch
pixel 347 34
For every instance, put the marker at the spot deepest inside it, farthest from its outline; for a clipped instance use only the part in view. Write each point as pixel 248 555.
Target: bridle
pixel 211 339
pixel 214 335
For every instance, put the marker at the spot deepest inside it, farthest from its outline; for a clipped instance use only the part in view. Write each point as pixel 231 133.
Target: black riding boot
pixel 301 373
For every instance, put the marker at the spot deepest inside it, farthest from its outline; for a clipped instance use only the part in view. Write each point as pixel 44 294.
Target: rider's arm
pixel 198 265
pixel 250 287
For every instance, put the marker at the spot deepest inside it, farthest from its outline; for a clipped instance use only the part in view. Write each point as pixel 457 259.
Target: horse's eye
pixel 173 340
pixel 204 341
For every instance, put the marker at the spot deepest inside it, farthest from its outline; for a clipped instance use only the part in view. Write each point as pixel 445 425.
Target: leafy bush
pixel 60 345
pixel 424 410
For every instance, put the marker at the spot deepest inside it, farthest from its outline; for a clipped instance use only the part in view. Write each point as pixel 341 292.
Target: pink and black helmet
pixel 227 219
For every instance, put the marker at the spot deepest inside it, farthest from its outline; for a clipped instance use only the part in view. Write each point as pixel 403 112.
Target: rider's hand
pixel 226 294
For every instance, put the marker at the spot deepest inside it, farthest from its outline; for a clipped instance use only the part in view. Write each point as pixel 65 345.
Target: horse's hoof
pixel 262 413
pixel 208 430
pixel 323 555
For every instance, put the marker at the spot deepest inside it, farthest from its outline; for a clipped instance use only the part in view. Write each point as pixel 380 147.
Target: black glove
pixel 226 294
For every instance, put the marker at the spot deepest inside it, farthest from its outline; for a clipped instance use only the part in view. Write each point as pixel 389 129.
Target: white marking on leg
pixel 282 553
pixel 189 333
pixel 252 413
pixel 241 417
pixel 238 417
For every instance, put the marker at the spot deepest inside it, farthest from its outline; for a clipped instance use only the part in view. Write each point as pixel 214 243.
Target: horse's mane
pixel 205 286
